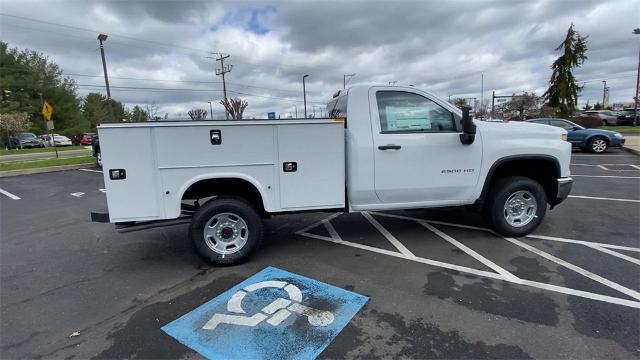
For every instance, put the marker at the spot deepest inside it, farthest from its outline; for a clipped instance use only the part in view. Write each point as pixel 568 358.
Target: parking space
pixel 438 283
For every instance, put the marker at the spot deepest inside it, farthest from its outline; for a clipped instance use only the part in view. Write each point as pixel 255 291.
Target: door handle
pixel 389 147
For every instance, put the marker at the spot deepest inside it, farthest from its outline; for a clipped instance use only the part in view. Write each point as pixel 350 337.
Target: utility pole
pixel 210 110
pixel 604 92
pixel 481 96
pixel 223 70
pixel 344 80
pixel 493 99
pixel 304 95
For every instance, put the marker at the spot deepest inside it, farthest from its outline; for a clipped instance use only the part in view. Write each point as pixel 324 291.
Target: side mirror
pixel 468 127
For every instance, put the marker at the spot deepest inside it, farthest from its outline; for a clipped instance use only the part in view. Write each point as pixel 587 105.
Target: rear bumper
pixel 564 188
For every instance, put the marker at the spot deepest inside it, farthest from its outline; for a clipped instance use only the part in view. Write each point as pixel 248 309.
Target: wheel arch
pixel 242 185
pixel 543 168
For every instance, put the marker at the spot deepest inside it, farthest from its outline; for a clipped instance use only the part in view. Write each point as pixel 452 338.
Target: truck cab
pixel 382 148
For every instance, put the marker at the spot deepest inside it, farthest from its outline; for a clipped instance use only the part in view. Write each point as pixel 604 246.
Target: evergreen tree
pixel 563 90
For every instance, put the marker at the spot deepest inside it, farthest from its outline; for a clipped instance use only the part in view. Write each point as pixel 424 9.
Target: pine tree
pixel 563 90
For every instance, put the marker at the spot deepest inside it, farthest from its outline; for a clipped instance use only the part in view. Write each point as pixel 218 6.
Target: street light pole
pixel 304 95
pixel 635 102
pixel 604 92
pixel 210 109
pixel 101 38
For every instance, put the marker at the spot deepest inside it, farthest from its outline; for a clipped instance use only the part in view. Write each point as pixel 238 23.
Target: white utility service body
pixel 163 159
pixel 384 147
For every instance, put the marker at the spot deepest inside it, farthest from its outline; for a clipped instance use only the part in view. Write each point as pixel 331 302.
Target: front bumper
pixel 564 188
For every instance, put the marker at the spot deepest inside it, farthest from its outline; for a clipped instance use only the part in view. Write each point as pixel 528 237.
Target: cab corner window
pixel 408 112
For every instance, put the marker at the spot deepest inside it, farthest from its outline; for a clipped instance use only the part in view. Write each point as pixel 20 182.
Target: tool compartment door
pixel 311 165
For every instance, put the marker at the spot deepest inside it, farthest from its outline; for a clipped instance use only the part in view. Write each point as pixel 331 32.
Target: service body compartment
pixel 162 159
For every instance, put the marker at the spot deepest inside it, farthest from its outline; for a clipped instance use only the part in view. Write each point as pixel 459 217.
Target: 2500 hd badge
pixel 455 171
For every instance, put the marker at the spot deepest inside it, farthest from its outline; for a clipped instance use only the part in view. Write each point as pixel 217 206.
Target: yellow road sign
pixel 47 110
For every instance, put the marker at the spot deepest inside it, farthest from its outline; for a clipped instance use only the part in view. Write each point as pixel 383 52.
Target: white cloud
pixel 440 46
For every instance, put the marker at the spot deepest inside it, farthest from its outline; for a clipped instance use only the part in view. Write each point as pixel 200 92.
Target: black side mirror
pixel 468 127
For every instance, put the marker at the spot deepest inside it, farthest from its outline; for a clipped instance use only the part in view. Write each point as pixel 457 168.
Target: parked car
pixel 608 117
pixel 86 138
pixel 24 140
pixel 46 140
pixel 61 140
pixel 594 140
pixel 626 116
pixel 95 147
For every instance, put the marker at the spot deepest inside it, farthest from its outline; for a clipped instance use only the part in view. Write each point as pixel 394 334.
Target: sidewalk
pixel 632 144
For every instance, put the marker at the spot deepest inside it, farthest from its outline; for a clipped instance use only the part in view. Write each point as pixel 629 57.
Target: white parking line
pixel 335 238
pixel 91 170
pixel 576 268
pixel 392 239
pixel 549 287
pixel 464 248
pixel 606 176
pixel 602 198
pixel 615 253
pixel 587 243
pixel 10 195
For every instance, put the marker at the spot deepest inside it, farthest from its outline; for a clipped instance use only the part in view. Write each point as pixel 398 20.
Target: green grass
pixel 622 128
pixel 38 150
pixel 33 164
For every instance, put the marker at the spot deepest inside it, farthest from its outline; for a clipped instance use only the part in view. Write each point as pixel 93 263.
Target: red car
pixel 87 138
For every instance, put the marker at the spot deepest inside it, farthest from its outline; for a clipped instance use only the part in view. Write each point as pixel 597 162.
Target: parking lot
pixel 439 284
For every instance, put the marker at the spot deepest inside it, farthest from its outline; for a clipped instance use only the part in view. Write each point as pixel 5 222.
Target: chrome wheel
pixel 226 233
pixel 598 145
pixel 520 208
pixel 99 159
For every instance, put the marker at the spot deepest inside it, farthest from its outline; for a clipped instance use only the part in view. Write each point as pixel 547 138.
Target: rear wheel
pixel 516 206
pixel 598 145
pixel 226 230
pixel 99 159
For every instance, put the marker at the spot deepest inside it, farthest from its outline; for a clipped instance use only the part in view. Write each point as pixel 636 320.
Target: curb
pixel 7 173
pixel 632 151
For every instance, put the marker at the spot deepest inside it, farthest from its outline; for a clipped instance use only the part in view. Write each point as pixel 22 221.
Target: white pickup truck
pixel 383 148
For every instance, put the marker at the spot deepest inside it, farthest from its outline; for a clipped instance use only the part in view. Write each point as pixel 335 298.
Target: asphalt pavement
pixel 74 289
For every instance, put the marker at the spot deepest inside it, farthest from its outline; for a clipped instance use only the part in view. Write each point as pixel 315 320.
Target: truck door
pixel 417 150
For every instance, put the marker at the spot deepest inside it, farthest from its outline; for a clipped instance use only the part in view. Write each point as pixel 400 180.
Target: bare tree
pixel 197 114
pixel 152 111
pixel 459 102
pixel 235 107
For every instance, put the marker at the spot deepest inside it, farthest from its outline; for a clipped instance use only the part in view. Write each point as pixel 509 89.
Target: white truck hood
pixel 520 129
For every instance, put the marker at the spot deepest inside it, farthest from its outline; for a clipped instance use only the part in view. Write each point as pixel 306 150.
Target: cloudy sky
pixel 161 52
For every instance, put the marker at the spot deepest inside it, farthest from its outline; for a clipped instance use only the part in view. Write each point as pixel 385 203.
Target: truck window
pixel 338 107
pixel 408 112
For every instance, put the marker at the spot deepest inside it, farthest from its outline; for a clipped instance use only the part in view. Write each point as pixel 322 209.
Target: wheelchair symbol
pixel 276 312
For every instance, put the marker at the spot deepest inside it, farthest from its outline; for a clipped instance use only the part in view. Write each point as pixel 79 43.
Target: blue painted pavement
pixel 273 314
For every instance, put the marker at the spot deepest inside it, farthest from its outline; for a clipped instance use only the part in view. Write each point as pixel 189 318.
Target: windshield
pixel 26 136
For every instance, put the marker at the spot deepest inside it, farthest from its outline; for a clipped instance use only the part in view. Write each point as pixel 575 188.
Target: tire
pixel 99 159
pixel 237 235
pixel 515 190
pixel 605 123
pixel 597 144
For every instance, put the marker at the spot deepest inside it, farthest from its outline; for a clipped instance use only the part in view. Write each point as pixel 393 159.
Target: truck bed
pixel 161 160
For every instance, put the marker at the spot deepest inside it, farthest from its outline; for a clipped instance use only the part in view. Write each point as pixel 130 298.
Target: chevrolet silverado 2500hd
pixel 382 148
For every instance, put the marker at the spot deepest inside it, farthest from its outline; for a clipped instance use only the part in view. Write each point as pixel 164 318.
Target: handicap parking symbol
pixel 273 314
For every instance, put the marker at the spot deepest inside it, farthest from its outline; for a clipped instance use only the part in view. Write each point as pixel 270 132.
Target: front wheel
pixel 99 159
pixel 226 230
pixel 598 145
pixel 516 206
